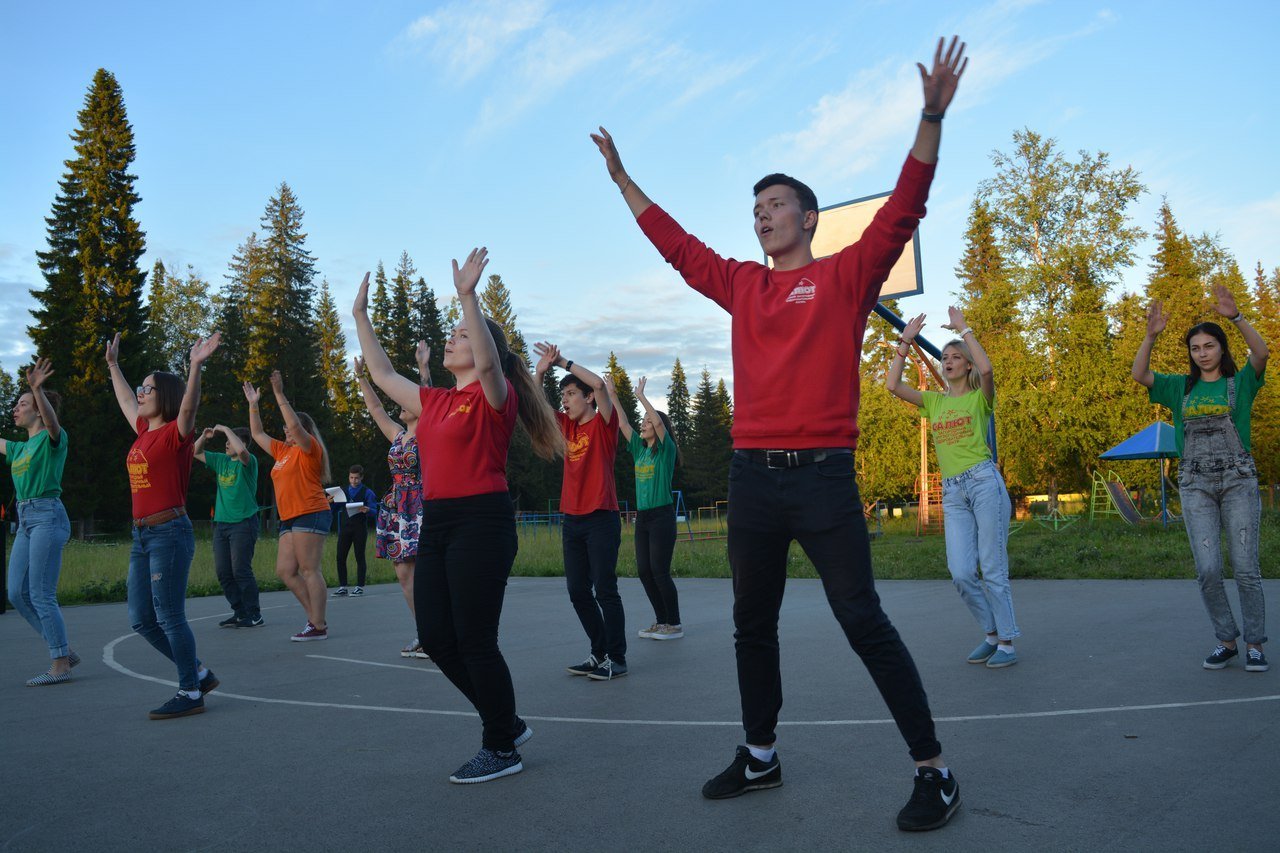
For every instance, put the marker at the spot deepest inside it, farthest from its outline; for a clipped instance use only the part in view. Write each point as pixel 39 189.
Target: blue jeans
pixel 975 510
pixel 233 546
pixel 159 564
pixel 34 567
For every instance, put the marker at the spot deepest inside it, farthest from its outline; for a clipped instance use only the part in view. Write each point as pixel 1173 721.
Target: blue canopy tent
pixel 1155 442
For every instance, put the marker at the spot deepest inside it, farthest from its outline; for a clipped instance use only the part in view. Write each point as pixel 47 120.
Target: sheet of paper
pixel 336 493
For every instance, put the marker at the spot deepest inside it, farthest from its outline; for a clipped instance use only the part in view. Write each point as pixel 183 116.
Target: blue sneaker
pixel 181 705
pixel 486 766
pixel 981 653
pixel 1001 659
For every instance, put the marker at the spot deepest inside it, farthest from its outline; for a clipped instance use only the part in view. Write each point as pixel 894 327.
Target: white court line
pixel 379 663
pixel 109 658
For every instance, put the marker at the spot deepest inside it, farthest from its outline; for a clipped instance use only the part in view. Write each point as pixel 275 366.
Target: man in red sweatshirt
pixel 797 339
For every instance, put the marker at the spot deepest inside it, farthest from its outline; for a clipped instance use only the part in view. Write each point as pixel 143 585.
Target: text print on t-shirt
pixel 953 430
pixel 138 467
pixel 644 473
pixel 578 446
pixel 802 292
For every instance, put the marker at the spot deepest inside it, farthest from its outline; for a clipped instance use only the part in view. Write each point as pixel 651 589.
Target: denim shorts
pixel 311 522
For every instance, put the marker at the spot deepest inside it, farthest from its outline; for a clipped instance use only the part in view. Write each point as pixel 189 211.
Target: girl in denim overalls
pixel 975 501
pixel 1217 477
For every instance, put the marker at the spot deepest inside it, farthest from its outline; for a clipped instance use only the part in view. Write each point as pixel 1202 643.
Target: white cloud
pixel 468 37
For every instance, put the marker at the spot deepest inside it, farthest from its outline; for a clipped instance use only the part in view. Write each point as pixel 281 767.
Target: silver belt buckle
pixel 786 456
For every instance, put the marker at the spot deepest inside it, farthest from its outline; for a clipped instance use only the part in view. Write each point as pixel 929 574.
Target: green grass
pixel 1105 549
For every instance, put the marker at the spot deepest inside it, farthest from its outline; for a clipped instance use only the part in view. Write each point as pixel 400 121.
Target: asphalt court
pixel 1108 734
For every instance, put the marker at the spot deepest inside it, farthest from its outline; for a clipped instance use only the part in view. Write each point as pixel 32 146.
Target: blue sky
pixel 433 127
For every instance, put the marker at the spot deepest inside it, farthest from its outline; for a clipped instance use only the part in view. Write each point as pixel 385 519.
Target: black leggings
pixel 352 531
pixel 655 543
pixel 465 553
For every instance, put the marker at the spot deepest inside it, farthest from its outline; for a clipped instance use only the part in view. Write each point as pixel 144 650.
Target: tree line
pixel 1048 238
pixel 274 312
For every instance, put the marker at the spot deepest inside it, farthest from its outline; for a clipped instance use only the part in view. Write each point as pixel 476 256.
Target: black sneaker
pixel 588 666
pixel 1220 658
pixel 486 766
pixel 746 773
pixel 1256 661
pixel 608 670
pixel 232 621
pixel 210 682
pixel 340 592
pixel 358 591
pixel 181 705
pixel 932 803
pixel 251 622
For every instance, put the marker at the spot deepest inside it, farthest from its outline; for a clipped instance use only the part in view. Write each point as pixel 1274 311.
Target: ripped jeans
pixel 1221 495
pixel 159 564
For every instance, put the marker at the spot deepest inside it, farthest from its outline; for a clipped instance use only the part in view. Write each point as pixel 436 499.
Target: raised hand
pixel 277 383
pixel 913 328
pixel 955 319
pixel 609 384
pixel 1157 319
pixel 357 367
pixel 548 356
pixel 38 373
pixel 208 433
pixel 609 152
pixel 113 351
pixel 467 276
pixel 362 297
pixel 422 355
pixel 940 84
pixel 1225 303
pixel 203 348
pixel 640 386
pixel 251 394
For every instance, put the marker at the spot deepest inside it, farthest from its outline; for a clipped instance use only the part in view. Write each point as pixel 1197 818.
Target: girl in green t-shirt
pixel 975 503
pixel 1217 477
pixel 653 446
pixel 43 529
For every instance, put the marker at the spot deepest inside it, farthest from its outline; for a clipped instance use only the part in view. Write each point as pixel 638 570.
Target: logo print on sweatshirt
pixel 804 291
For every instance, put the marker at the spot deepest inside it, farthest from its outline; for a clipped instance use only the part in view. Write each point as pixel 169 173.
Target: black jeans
pixel 465 552
pixel 655 543
pixel 352 531
pixel 818 506
pixel 233 547
pixel 591 573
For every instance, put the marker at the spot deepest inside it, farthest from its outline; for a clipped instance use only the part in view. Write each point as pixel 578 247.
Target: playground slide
pixel 1124 503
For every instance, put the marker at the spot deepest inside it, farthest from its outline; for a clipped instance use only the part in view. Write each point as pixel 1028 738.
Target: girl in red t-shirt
pixel 468 541
pixel 299 475
pixel 162 411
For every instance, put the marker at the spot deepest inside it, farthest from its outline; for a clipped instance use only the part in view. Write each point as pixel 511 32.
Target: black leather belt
pixel 793 458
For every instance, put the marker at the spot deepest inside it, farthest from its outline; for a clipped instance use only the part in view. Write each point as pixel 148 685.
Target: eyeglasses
pixel 144 390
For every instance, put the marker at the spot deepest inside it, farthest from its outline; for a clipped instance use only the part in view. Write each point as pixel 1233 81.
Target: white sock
pixel 1006 647
pixel 190 694
pixel 765 755
pixel 991 639
pixel 946 774
pixel 204 670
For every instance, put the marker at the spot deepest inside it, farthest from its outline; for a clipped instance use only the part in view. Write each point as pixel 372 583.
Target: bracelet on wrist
pixel 624 186
pixel 568 365
pixel 966 331
pixel 1239 316
pixel 925 115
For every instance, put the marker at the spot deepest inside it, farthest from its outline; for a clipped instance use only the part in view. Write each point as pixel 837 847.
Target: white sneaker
pixel 412 649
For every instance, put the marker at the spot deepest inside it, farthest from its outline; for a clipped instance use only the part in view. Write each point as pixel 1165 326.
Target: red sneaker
pixel 311 632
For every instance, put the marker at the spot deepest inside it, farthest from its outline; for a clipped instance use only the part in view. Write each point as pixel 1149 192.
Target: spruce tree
pixel 428 325
pixel 624 471
pixel 400 334
pixel 1177 279
pixel 678 403
pixel 93 290
pixel 495 301
pixel 180 310
pixel 380 304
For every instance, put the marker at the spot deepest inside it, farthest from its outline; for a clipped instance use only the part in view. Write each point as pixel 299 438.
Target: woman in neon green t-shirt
pixel 1217 477
pixel 43 529
pixel 975 502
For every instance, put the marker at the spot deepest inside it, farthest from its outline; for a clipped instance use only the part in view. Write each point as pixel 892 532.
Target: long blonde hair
pixel 533 411
pixel 309 424
pixel 973 379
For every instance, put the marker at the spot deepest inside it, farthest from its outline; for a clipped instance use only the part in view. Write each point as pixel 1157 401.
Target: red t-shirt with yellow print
pixel 159 464
pixel 588 464
pixel 463 441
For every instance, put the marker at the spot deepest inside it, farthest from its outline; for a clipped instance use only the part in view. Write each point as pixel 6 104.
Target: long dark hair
pixel 169 392
pixel 532 410
pixel 671 435
pixel 1213 330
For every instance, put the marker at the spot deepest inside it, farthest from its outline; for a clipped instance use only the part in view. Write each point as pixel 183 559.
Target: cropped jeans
pixel 34 566
pixel 159 565
pixel 975 508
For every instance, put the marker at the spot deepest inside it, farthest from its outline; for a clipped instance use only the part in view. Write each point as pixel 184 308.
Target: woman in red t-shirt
pixel 299 475
pixel 162 411
pixel 468 541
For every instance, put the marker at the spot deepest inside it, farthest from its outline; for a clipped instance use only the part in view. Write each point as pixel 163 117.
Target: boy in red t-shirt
pixel 797 335
pixel 592 529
